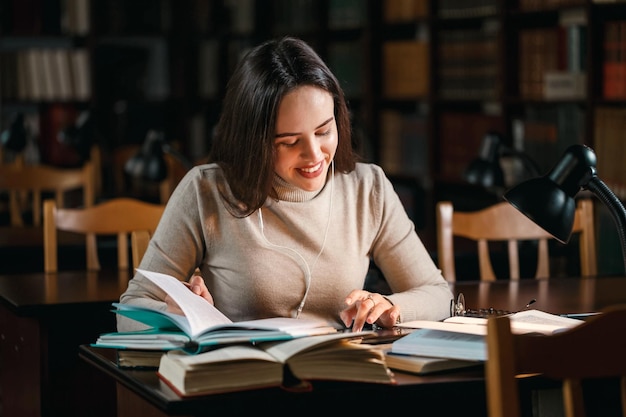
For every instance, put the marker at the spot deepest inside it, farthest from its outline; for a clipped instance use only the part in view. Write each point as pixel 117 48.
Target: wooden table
pixel 457 393
pixel 43 320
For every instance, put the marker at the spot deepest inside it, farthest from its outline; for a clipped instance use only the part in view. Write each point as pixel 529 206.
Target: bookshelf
pixel 425 79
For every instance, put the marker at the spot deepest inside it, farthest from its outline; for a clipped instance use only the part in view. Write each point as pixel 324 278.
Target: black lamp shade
pixel 547 205
pixel 79 136
pixel 549 200
pixel 14 137
pixel 149 163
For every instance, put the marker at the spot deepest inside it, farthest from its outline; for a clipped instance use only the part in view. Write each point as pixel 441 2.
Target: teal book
pixel 201 326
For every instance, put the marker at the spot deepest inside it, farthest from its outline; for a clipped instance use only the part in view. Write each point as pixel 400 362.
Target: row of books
pixel 293 352
pixel 468 64
pixel 460 137
pixel 398 11
pixel 458 9
pixel 46 74
pixel 552 62
pixel 404 150
pixel 405 69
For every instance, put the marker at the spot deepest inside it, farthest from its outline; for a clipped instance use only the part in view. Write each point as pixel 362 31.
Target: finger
pixel 365 307
pixel 389 318
pixel 347 316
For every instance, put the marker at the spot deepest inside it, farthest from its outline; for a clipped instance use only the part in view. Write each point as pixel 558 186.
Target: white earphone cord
pixel 299 258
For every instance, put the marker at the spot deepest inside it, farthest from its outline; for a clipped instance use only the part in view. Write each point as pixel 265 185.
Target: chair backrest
pixel 504 223
pixel 594 349
pixel 118 217
pixel 32 181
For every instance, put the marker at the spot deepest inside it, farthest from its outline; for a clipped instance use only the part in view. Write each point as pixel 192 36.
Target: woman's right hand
pixel 197 286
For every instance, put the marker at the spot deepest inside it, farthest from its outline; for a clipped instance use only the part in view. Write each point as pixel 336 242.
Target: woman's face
pixel 306 137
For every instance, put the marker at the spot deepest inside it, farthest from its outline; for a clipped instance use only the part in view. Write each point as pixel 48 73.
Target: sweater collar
pixel 290 193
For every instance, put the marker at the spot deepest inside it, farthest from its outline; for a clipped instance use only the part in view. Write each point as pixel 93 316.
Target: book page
pixel 202 316
pixel 284 350
pixel 479 328
pixel 524 322
pixel 227 354
pixel 199 313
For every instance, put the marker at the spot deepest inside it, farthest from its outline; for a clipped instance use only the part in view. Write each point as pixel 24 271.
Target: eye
pixel 324 133
pixel 288 144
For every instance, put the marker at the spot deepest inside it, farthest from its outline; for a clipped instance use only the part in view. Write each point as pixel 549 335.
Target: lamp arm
pixel 602 191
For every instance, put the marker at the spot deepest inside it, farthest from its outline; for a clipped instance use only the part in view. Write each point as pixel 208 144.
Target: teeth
pixel 311 169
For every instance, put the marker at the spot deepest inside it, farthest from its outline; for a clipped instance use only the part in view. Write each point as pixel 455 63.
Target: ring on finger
pixel 371 298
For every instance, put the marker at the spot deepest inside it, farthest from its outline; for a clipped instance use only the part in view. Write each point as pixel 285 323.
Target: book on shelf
pixel 405 149
pixel 614 62
pixel 467 63
pixel 291 364
pixel 398 11
pixel 202 324
pixel 405 69
pixel 460 138
pixel 463 338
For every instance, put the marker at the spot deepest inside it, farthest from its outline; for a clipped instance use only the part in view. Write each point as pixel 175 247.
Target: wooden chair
pixel 502 222
pixel 139 240
pixel 38 179
pixel 595 349
pixel 119 216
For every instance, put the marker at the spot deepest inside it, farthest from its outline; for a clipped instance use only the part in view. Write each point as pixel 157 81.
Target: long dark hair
pixel 244 139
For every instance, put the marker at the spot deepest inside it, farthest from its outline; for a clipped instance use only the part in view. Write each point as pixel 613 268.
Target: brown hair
pixel 244 141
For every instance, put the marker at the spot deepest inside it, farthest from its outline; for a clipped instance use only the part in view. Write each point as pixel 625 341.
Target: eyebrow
pixel 282 135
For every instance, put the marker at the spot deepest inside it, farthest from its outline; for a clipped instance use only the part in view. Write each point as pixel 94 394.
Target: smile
pixel 312 169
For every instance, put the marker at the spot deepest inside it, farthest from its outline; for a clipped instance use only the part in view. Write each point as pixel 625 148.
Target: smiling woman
pixel 283 221
pixel 305 147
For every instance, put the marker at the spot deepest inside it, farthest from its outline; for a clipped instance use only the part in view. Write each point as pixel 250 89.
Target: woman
pixel 284 221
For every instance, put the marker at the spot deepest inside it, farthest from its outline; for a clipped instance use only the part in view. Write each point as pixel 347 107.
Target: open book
pixel 338 356
pixel 463 338
pixel 202 325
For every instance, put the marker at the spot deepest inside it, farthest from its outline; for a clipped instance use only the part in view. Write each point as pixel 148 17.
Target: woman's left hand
pixel 368 307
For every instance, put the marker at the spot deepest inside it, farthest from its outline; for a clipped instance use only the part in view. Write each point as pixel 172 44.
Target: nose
pixel 311 148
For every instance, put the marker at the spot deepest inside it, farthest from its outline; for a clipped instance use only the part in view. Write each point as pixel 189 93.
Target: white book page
pixel 526 321
pixel 284 350
pixel 199 313
pixel 468 328
pixel 226 354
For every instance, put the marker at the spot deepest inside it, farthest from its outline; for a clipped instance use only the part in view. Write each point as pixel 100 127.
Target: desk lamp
pixel 79 136
pixel 149 163
pixel 486 171
pixel 549 200
pixel 14 137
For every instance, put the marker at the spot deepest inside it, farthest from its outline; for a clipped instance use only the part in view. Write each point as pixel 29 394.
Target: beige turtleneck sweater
pixel 260 266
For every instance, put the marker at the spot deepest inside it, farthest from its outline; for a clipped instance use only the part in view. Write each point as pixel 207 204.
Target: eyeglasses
pixel 458 309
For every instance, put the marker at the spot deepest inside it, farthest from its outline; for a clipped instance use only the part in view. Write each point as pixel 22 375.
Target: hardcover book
pixel 291 364
pixel 463 338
